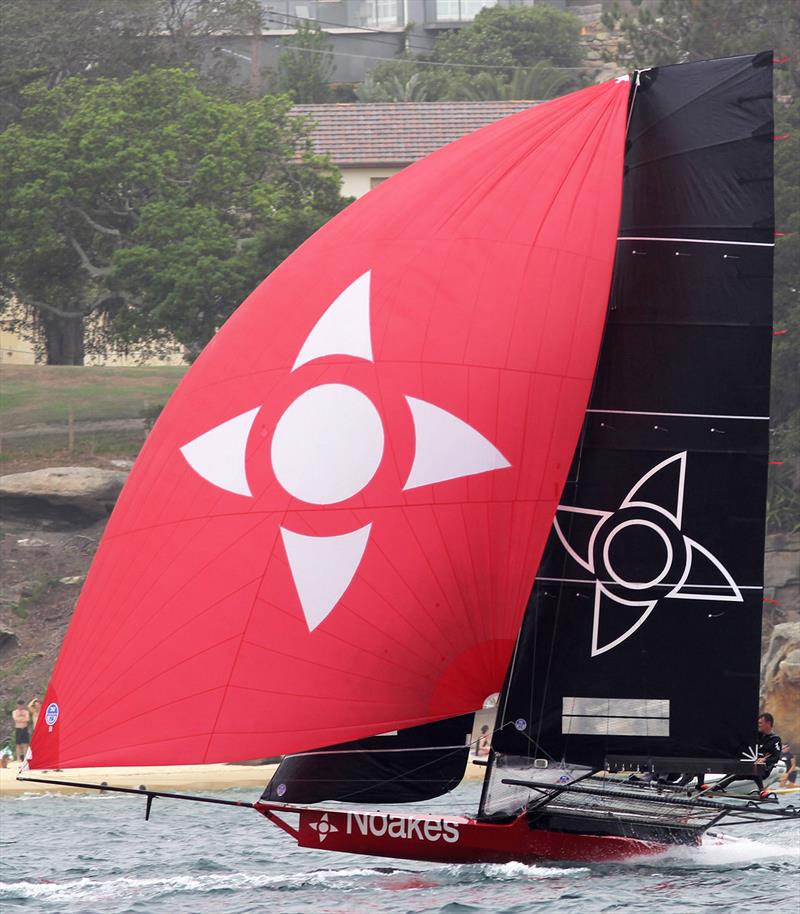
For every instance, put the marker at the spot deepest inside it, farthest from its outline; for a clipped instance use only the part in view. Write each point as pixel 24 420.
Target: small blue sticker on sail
pixel 281 789
pixel 520 724
pixel 51 714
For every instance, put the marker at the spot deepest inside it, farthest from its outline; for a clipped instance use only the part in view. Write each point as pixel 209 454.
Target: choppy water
pixel 96 855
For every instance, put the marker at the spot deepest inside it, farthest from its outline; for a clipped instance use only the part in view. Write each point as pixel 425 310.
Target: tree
pixel 483 60
pixel 305 65
pixel 56 39
pixel 393 89
pixel 151 205
pixel 541 81
pixel 518 36
pixel 680 30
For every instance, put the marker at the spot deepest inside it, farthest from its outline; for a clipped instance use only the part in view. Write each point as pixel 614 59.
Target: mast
pixel 641 641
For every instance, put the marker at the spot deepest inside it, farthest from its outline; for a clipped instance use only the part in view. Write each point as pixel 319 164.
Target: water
pixel 96 855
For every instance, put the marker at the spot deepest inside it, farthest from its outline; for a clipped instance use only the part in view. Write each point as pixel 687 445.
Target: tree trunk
pixel 63 339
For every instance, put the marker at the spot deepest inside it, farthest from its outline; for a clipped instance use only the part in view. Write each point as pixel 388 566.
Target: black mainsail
pixel 641 642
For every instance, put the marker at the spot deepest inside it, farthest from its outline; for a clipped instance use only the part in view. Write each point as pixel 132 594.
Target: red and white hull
pixel 447 839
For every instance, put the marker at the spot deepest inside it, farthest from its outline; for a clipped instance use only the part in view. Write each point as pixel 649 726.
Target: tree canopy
pixel 305 65
pixel 152 205
pixel 537 45
pixel 679 30
pixel 51 40
pixel 516 36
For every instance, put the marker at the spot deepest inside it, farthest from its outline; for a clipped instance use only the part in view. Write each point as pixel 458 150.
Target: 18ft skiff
pixel 406 475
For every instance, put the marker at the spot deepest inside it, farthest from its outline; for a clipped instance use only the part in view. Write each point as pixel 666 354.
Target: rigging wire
pixel 423 63
pixel 414 60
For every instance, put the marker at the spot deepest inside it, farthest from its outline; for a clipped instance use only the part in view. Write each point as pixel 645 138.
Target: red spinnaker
pixel 333 529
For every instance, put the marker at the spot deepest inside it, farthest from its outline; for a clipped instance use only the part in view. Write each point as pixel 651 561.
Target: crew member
pixel 768 751
pixel 789 759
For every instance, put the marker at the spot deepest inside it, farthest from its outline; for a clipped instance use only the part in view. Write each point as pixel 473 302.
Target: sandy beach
pixel 177 779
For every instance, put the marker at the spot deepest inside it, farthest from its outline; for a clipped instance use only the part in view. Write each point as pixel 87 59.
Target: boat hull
pixel 451 839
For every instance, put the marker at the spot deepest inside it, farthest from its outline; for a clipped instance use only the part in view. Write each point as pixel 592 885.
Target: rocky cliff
pixel 780 659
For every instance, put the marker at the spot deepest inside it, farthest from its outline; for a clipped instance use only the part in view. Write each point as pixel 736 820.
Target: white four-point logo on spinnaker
pixel 328 445
pixel 323 828
pixel 638 553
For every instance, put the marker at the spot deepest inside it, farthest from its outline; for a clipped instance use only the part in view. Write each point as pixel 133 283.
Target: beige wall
pixel 357 181
pixel 15 351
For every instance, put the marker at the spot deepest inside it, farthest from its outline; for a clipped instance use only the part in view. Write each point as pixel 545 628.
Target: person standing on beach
pixel 22 718
pixel 34 706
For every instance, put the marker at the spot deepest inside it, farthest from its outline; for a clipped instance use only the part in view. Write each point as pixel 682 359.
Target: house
pixel 369 143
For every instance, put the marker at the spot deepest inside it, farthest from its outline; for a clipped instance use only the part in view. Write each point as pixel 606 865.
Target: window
pixel 460 10
pixel 380 13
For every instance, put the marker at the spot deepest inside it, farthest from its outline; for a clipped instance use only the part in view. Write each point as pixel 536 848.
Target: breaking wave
pixel 98 890
pixel 504 872
pixel 726 850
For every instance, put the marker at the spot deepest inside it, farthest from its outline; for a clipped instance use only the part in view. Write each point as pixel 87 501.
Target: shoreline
pixel 174 779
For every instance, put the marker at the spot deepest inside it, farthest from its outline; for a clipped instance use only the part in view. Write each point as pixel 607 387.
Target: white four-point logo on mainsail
pixel 323 827
pixel 666 563
pixel 327 447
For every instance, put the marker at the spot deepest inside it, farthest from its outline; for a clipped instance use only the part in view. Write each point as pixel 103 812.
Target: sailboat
pixel 500 426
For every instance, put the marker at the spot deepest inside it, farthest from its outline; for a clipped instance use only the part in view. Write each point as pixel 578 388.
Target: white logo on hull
pixel 431 830
pixel 323 828
pixel 395 827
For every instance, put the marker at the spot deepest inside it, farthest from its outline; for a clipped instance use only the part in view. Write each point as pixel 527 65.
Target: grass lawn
pixel 32 396
pixel 43 394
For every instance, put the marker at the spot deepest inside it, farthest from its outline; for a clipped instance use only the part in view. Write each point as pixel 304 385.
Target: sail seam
pixel 636 412
pixel 701 586
pixel 752 244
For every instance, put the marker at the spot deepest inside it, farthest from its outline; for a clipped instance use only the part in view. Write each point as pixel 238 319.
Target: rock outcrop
pixel 780 687
pixel 781 580
pixel 61 495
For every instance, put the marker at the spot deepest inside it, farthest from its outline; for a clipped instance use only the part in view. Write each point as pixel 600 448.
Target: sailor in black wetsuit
pixel 768 749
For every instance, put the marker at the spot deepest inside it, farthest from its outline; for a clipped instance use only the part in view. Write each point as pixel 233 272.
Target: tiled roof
pixel 398 133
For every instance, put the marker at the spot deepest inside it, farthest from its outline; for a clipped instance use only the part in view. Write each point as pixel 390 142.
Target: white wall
pixel 357 181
